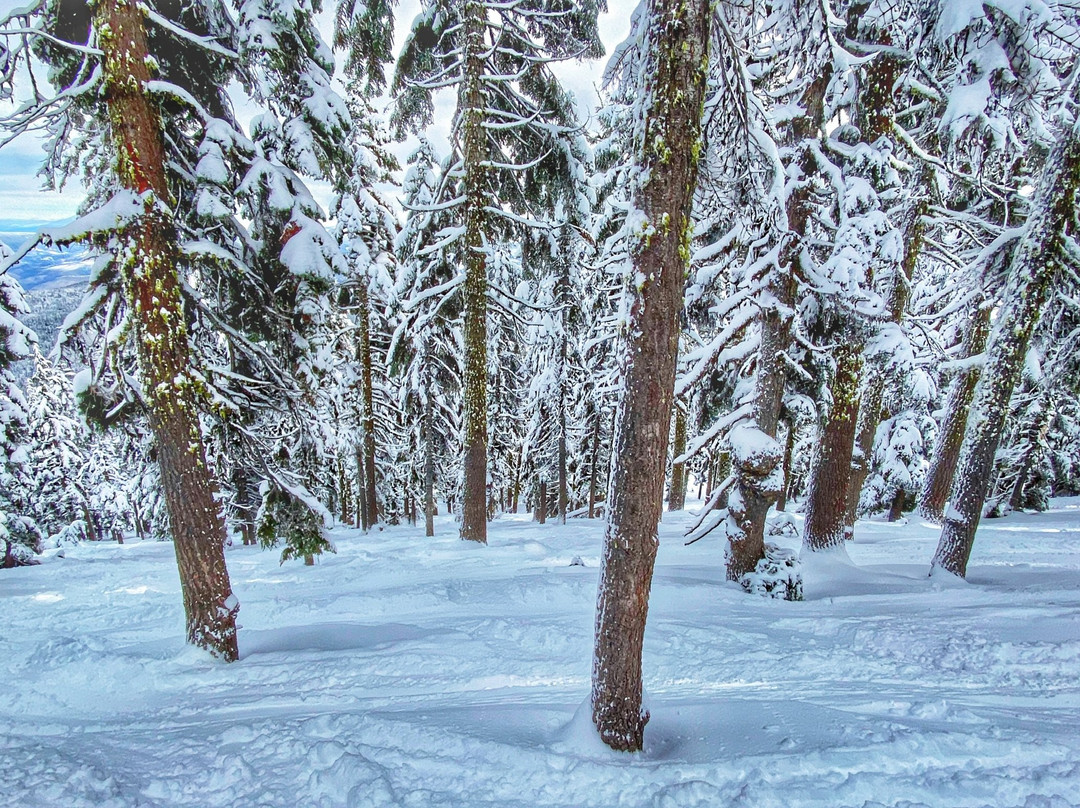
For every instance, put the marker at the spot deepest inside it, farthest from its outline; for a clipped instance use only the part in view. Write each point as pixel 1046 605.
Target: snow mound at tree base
pixel 777 576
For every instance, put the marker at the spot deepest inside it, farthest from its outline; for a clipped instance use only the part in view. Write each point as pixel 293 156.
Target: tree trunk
pixel 429 467
pixel 896 509
pixel 677 492
pixel 678 36
pixel 950 437
pixel 756 478
pixel 868 419
pixel 826 500
pixel 595 467
pixel 367 404
pixel 362 519
pixel 541 503
pixel 474 153
pixel 152 288
pixel 721 471
pixel 1032 270
pixel 789 448
pixel 516 493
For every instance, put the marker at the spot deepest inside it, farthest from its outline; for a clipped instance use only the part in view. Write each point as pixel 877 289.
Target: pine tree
pixel 667 67
pixel 425 346
pixel 20 534
pixel 1043 250
pixel 152 289
pixel 59 445
pixel 513 132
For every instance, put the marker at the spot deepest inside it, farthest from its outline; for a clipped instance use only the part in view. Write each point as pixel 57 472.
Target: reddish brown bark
pixel 152 288
pixel 826 501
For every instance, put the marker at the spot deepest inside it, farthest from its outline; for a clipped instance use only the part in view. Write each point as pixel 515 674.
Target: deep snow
pixel 431 672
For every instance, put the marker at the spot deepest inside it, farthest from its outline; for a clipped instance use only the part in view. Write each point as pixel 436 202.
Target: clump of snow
pixel 777 575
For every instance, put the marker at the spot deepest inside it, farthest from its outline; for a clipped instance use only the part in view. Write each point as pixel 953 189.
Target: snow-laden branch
pixel 202 41
pixel 434 291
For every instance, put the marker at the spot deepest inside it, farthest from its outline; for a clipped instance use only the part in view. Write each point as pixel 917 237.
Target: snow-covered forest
pixel 807 278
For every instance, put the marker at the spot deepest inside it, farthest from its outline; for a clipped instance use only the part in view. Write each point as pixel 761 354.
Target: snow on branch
pixel 202 41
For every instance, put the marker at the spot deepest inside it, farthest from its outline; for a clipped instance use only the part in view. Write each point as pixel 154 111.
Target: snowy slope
pixel 418 672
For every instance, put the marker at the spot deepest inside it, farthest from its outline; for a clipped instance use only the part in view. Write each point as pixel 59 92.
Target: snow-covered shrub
pixel 70 535
pixel 782 524
pixel 284 518
pixel 777 575
pixel 22 540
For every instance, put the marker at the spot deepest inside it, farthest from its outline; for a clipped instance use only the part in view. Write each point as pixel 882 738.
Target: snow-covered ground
pixel 431 672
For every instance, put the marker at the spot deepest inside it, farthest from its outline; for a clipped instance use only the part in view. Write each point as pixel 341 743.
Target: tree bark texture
pixel 563 493
pixel 1033 267
pixel 152 289
pixel 367 406
pixel 677 37
pixel 950 436
pixel 873 393
pixel 595 467
pixel 677 491
pixel 826 500
pixel 429 464
pixel 789 450
pixel 474 149
pixel 756 484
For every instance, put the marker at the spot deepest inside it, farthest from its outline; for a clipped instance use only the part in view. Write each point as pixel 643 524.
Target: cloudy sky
pixel 23 205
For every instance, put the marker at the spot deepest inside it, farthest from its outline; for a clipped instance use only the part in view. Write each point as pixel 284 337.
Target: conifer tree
pixel 19 532
pixel 665 62
pixel 1043 250
pixel 513 133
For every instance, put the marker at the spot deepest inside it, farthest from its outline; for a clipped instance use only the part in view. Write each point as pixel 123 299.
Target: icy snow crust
pixel 430 672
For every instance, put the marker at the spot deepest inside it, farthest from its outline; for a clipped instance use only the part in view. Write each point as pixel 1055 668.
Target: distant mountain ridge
pixel 45 267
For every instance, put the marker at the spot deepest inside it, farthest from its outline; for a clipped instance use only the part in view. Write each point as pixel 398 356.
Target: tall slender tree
pixel 665 59
pixel 514 131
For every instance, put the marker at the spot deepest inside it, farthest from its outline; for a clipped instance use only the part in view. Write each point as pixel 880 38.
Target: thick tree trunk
pixel 474 153
pixel 826 501
pixel 678 35
pixel 677 491
pixel 755 479
pixel 541 503
pixel 1034 265
pixel 152 289
pixel 950 437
